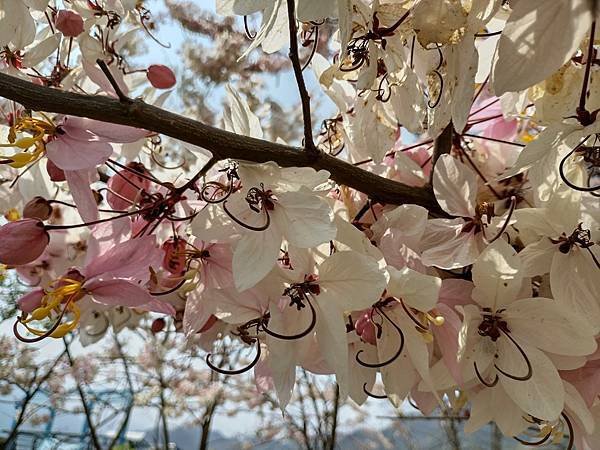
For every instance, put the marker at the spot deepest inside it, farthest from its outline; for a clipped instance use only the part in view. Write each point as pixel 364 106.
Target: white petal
pixel 415 289
pixel 254 256
pixel 351 281
pixel 550 326
pixel 575 404
pixel 539 37
pixel 304 218
pixel 575 283
pixel 537 257
pixel 496 275
pixel 543 395
pixel 331 336
pixel 455 186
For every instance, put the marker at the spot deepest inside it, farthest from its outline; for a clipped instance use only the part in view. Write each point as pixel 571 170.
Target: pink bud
pixel 22 241
pixel 31 300
pixel 69 23
pixel 365 328
pixel 126 185
pixel 158 325
pixel 55 173
pixel 161 77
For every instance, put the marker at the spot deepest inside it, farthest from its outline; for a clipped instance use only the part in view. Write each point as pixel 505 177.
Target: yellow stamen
pixel 436 320
pixel 12 215
pixel 51 301
pixel 38 129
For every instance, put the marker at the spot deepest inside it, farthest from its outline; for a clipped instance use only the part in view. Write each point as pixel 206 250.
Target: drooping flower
pixel 113 278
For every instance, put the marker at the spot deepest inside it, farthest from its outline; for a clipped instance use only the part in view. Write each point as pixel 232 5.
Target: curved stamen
pixel 245 225
pixel 169 291
pixel 534 443
pixel 483 380
pixel 235 371
pixel 439 97
pixel 370 394
pixel 215 196
pixel 410 315
pixel 153 152
pixel 561 170
pixel 529 373
pixel 314 46
pixel 313 322
pixel 251 36
pixel 593 257
pixel 46 334
pixel 571 432
pixel 513 204
pixel 182 219
pixel 394 357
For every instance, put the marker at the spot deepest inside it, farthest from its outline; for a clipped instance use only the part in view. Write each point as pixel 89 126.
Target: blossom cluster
pixel 494 294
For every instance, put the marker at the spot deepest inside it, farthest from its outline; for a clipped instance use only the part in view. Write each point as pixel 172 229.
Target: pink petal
pixel 68 153
pixel 118 292
pixel 83 197
pixel 446 336
pixel 22 241
pixel 31 300
pixel 110 132
pixel 130 259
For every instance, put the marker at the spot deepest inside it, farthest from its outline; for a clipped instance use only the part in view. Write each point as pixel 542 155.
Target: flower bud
pixel 125 186
pixel 22 242
pixel 161 77
pixel 37 208
pixel 55 173
pixel 69 23
pixel 158 325
pixel 365 328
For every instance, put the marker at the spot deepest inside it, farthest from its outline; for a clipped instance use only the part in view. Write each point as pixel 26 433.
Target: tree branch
pixel 222 144
pixel 309 144
pixel 441 146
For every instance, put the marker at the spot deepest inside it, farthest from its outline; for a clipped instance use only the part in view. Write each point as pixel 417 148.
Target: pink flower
pixel 161 77
pixel 115 278
pixel 79 146
pixel 69 23
pixel 22 241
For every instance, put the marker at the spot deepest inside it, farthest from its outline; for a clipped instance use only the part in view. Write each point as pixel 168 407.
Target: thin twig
pixel 309 144
pixel 113 82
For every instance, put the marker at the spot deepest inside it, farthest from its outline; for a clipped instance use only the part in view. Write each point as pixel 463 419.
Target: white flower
pixel 504 337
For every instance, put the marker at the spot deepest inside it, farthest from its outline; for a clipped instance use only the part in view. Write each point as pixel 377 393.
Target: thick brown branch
pixel 222 144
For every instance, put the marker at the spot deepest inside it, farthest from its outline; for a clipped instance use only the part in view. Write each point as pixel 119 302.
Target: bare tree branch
pixel 222 144
pixel 309 144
